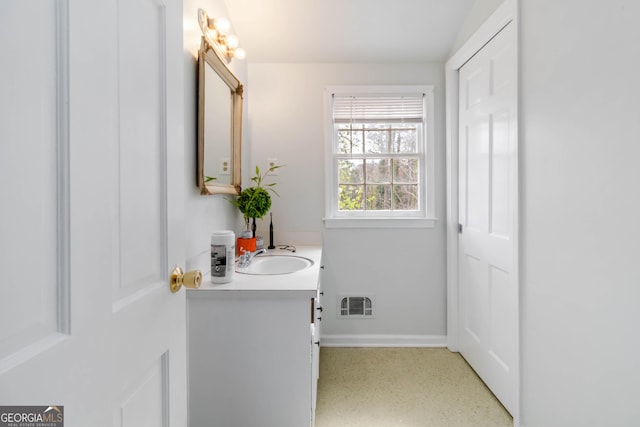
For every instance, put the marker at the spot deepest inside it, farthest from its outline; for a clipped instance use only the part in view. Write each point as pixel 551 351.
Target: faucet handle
pixel 244 257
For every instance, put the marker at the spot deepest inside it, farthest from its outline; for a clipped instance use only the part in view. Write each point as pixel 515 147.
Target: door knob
pixel 191 279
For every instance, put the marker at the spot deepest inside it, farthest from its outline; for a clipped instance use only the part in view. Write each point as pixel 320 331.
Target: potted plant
pixel 254 202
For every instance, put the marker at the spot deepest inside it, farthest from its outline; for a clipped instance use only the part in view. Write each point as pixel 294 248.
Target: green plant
pixel 255 202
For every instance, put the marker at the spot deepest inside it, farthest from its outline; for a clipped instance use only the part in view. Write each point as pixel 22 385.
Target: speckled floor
pixel 408 387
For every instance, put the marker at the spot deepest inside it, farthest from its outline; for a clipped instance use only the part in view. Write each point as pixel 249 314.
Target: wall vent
pixel 355 306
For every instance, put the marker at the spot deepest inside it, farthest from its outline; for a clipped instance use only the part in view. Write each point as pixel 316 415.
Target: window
pixel 379 156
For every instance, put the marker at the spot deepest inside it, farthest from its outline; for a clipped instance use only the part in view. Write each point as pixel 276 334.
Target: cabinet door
pixel 315 348
pixel 317 328
pixel 250 349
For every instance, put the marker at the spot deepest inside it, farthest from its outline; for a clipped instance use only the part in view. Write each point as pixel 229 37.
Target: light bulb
pixel 240 53
pixel 222 26
pixel 232 41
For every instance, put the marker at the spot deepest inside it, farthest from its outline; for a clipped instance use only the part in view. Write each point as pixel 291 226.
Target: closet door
pixel 488 206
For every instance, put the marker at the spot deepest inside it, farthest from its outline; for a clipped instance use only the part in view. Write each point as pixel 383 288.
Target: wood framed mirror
pixel 219 125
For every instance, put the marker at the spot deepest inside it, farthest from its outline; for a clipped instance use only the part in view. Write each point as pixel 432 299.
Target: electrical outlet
pixel 225 166
pixel 271 162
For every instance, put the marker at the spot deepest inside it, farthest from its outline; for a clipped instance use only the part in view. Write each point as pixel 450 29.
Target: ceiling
pixel 353 31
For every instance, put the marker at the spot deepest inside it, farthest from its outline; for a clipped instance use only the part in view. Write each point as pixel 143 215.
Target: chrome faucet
pixel 247 257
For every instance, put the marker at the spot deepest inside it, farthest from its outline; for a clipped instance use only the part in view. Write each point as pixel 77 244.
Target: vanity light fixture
pixel 216 33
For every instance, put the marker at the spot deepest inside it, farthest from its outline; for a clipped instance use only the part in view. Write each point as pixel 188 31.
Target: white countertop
pixel 304 280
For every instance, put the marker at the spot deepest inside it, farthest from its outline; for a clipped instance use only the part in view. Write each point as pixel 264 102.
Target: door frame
pixel 506 13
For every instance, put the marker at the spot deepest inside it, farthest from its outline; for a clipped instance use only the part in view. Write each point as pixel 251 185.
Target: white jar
pixel 223 250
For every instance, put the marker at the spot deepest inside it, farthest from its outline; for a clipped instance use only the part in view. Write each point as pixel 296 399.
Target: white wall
pixel 580 271
pixel 203 214
pixel 404 269
pixel 478 13
pixel 581 253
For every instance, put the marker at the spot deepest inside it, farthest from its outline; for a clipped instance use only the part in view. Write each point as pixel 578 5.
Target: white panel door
pixel 92 166
pixel 488 206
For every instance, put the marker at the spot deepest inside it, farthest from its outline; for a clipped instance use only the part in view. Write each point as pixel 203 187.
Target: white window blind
pixel 375 108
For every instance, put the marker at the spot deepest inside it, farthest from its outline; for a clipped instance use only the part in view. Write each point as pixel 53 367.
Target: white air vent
pixel 355 306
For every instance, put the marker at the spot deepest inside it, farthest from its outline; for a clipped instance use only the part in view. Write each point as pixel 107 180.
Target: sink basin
pixel 276 264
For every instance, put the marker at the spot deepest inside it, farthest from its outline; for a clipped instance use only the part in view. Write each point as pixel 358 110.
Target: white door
pixel 91 165
pixel 488 214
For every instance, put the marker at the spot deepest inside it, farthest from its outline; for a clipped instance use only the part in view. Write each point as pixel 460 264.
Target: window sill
pixel 380 222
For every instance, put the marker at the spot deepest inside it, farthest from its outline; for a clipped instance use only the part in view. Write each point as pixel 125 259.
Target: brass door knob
pixel 191 279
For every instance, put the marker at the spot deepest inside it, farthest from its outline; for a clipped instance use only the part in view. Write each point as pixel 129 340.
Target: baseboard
pixel 383 340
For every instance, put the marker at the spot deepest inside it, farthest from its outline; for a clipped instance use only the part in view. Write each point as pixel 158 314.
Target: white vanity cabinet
pixel 252 356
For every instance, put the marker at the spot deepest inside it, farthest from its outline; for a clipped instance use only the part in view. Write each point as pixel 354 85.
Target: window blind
pixel 376 108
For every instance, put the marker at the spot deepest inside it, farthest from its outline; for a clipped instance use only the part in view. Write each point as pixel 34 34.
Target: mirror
pixel 219 125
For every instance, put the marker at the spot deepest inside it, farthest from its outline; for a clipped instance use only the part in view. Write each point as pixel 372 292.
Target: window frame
pixel 423 218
